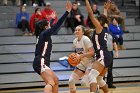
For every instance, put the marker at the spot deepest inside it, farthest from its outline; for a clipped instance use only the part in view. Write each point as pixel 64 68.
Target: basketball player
pixel 84 48
pixel 41 62
pixel 102 55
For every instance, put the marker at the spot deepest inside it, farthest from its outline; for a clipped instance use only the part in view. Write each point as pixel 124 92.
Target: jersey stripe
pixel 45 48
pixel 97 42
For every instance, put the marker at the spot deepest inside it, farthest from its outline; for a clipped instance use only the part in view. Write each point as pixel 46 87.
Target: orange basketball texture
pixel 73 59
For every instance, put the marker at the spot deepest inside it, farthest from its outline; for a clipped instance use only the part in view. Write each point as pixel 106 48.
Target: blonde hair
pixel 87 31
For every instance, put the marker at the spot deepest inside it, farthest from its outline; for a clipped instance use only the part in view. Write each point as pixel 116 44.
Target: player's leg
pixel 50 79
pixel 101 82
pixel 97 68
pixel 75 76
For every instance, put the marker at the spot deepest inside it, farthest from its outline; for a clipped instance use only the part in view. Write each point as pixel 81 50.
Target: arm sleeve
pixel 58 24
pixel 80 13
pixel 51 22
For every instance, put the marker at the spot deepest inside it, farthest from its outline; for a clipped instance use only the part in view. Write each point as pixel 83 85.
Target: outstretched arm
pixel 96 23
pixel 61 20
pixel 106 7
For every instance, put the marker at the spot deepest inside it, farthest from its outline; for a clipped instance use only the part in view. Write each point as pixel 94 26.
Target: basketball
pixel 73 59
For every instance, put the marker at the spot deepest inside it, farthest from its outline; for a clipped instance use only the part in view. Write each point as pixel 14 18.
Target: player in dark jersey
pixel 43 49
pixel 102 55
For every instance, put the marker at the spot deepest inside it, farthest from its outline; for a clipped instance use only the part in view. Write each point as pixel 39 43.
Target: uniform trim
pixel 45 48
pixel 97 42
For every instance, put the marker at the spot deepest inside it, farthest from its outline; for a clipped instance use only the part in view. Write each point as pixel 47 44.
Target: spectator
pixel 113 11
pixel 22 20
pixel 96 14
pixel 48 12
pixel 76 17
pixel 37 16
pixel 117 32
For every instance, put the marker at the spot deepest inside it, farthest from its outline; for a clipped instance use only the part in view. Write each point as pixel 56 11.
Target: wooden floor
pixel 132 87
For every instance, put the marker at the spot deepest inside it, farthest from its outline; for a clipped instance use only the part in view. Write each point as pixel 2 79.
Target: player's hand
pixel 116 55
pixel 54 15
pixel 107 5
pixel 68 6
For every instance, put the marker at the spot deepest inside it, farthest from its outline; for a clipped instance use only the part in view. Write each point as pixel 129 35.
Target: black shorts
pixel 105 56
pixel 40 64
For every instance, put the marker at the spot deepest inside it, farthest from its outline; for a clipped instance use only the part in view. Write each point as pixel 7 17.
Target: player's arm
pixel 89 46
pixel 116 50
pixel 61 20
pixel 90 53
pixel 96 23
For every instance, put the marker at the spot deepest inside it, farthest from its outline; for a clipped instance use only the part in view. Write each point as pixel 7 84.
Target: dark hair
pixel 103 19
pixel 40 26
pixel 117 19
pixel 37 9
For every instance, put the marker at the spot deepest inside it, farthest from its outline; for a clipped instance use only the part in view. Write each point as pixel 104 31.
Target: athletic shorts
pixel 83 67
pixel 105 57
pixel 40 64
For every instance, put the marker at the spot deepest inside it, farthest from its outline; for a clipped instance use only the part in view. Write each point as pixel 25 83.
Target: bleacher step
pixel 9 58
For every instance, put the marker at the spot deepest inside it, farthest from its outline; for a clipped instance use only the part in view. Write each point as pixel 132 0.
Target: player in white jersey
pixel 84 48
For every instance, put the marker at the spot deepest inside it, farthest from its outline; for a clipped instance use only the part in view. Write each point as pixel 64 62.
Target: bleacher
pixel 17 51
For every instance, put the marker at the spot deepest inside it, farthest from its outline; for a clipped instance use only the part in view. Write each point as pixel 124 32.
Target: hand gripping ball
pixel 73 59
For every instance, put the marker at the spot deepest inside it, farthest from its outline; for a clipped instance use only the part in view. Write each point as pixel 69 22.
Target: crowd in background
pixel 116 20
pixel 25 21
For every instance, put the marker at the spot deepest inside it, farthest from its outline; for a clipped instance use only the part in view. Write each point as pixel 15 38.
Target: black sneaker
pixel 111 86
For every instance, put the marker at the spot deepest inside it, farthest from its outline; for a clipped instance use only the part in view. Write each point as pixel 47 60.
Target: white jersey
pixel 81 47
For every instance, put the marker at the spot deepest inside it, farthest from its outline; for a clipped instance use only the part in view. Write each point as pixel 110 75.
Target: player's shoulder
pixel 85 37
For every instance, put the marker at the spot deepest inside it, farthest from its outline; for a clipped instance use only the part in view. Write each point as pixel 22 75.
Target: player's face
pixel 78 31
pixel 115 22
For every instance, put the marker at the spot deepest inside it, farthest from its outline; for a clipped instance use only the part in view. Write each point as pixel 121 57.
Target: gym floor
pixel 131 87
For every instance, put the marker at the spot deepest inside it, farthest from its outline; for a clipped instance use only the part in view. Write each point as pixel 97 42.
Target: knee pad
pixel 93 76
pixel 85 81
pixel 73 79
pixel 100 81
